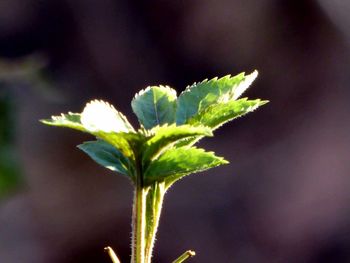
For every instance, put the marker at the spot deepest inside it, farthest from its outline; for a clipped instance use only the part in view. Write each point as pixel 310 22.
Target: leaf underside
pixel 127 143
pixel 107 156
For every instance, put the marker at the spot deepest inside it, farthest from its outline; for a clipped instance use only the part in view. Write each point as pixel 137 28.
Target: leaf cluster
pixel 162 150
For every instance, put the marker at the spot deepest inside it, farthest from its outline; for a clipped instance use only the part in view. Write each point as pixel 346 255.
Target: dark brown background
pixel 285 197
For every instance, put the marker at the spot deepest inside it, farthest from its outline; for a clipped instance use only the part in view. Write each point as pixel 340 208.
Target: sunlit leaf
pixel 97 116
pixel 218 114
pixel 161 149
pixel 199 96
pixel 165 136
pixel 101 116
pixel 69 120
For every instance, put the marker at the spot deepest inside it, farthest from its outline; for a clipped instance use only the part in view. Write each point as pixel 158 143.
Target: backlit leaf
pixel 101 116
pixel 218 114
pixel 96 116
pixel 165 136
pixel 199 96
pixel 69 120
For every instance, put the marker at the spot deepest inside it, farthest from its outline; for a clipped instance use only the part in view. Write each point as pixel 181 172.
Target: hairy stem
pixel 138 221
pixel 138 253
pixel 155 199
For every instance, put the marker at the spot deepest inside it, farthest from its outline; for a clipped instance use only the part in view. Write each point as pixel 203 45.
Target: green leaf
pixel 127 143
pixel 166 136
pixel 155 106
pixel 218 114
pixel 108 156
pixel 178 162
pixel 69 120
pixel 97 116
pixel 124 142
pixel 199 96
pixel 102 120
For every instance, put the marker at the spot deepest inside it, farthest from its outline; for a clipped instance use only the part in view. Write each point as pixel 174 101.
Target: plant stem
pixel 138 221
pixel 112 255
pixel 146 212
pixel 188 254
pixel 155 199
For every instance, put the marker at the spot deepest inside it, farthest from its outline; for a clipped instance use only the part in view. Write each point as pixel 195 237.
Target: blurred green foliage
pixel 10 178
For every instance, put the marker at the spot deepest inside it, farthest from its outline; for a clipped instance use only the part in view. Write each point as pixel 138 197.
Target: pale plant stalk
pixel 157 202
pixel 139 221
pixel 139 226
pixel 112 255
pixel 143 240
pixel 147 208
pixel 188 254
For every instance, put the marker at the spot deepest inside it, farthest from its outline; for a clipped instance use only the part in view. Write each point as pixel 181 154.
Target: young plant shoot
pixel 161 151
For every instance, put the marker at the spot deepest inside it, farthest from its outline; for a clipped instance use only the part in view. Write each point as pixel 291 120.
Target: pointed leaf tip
pixel 199 96
pixel 69 120
pixel 244 85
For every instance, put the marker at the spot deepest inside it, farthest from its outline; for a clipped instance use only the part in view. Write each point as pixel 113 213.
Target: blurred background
pixel 285 197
